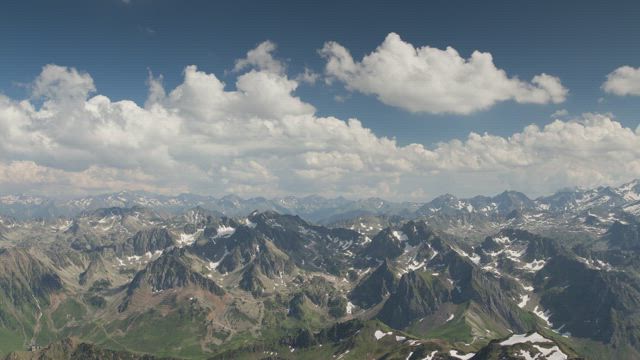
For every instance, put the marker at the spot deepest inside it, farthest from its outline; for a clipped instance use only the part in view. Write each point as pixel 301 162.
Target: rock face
pixel 588 302
pixel 95 268
pixel 148 241
pixel 251 281
pixel 171 271
pixel 418 294
pixel 387 244
pixel 624 236
pixel 25 282
pixel 375 286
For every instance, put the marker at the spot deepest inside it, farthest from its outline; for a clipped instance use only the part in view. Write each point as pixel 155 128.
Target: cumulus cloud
pixel 261 139
pixel 61 84
pixel 623 81
pixel 261 58
pixel 431 80
pixel 308 76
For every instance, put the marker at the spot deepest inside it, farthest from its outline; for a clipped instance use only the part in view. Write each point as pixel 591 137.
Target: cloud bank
pixel 261 139
pixel 431 80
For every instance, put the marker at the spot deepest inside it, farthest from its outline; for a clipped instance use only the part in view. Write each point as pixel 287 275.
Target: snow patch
pixel 455 354
pixel 430 356
pixel 379 334
pixel 475 258
pixel 489 268
pixel 400 235
pixel 350 307
pixel 224 231
pixel 543 315
pixel 343 354
pixel 534 266
pixel 414 265
pixel 188 239
pixel 596 264
pixel 524 338
pixel 527 355
pixel 213 265
pixel 552 353
pixel 502 239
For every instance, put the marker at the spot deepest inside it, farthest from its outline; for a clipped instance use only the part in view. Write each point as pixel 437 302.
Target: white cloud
pixel 624 80
pixel 202 97
pixel 308 76
pixel 261 139
pixel 341 98
pixel 261 58
pixel 18 176
pixel 559 113
pixel 431 80
pixel 60 84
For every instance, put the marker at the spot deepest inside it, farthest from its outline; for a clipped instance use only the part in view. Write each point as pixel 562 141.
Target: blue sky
pixel 118 42
pixel 578 41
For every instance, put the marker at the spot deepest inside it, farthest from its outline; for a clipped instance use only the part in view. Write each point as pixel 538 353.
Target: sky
pixel 402 100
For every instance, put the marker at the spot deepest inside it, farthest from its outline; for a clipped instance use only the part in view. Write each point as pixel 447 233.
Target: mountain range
pixel 322 210
pixel 143 276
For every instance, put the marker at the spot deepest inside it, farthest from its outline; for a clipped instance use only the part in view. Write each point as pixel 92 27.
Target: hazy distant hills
pixel 312 207
pixel 625 198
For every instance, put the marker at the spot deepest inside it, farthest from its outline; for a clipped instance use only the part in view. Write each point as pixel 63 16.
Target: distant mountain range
pixel 318 209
